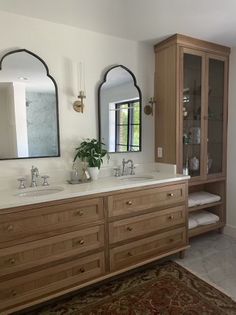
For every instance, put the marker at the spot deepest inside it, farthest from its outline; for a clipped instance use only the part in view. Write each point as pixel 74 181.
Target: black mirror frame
pixel 99 105
pixel 56 92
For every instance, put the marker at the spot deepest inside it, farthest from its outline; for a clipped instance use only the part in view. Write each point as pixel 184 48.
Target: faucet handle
pixel 132 168
pixel 45 180
pixel 22 182
pixel 117 171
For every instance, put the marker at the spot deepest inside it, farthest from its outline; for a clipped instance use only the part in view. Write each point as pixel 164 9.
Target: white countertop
pixel 10 198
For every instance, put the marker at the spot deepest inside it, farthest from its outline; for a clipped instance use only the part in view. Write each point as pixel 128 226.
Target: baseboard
pixel 230 230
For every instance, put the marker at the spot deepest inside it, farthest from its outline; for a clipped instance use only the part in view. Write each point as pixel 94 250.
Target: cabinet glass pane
pixel 215 116
pixel 192 111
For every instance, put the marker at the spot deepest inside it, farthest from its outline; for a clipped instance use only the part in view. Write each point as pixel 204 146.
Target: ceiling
pixel 140 20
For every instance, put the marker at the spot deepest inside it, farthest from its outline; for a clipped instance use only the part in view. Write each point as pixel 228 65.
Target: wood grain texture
pixel 76 252
pixel 169 72
pixel 134 202
pixel 133 252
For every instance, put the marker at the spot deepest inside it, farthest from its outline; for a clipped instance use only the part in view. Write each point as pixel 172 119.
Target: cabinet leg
pixel 182 254
pixel 220 230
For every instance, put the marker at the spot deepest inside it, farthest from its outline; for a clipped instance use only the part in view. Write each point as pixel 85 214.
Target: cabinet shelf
pixel 204 229
pixel 193 90
pixel 207 205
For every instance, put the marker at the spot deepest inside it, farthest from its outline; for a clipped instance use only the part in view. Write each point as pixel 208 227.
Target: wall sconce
pixel 148 109
pixel 78 105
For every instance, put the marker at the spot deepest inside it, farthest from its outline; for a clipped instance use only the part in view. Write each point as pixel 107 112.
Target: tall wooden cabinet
pixel 191 90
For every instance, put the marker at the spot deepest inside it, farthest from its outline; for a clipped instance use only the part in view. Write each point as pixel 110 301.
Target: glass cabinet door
pixel 216 116
pixel 192 113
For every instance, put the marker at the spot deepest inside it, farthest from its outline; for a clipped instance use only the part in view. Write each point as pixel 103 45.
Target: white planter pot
pixel 93 171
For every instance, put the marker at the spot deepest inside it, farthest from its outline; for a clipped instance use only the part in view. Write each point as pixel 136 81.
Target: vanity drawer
pixel 29 225
pixel 37 253
pixel 134 202
pixel 132 253
pixel 49 280
pixel 140 225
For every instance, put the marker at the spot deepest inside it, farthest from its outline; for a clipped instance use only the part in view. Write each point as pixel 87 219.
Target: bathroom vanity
pixel 55 244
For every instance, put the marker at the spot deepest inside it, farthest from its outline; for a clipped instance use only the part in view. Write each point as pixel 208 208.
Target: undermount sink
pixel 36 192
pixel 136 178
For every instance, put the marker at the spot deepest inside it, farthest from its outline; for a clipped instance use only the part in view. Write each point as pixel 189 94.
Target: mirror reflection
pixel 28 107
pixel 119 102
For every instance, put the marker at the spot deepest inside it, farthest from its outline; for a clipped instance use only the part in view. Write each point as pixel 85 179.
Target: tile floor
pixel 213 258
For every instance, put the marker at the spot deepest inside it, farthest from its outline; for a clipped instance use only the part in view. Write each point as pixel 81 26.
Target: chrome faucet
pixel 34 175
pixel 124 162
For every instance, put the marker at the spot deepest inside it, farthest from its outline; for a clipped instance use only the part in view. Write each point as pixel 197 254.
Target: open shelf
pixel 204 229
pixel 206 205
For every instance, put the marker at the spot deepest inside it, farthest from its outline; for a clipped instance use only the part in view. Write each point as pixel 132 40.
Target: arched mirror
pixel 119 111
pixel 29 125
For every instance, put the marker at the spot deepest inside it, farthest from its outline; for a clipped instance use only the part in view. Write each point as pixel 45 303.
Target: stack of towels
pixel 203 217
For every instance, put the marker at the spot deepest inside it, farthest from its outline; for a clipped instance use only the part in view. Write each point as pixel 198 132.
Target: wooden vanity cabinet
pixel 145 224
pixel 53 248
pixel 191 91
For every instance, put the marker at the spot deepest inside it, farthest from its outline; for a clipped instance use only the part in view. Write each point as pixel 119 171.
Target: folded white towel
pixel 204 217
pixel 201 197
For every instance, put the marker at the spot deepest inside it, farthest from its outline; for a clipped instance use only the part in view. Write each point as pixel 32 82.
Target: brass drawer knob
pixel 79 213
pixel 13 293
pixel 10 227
pixel 129 254
pixel 171 217
pixel 129 228
pixel 12 261
pixel 82 270
pixel 81 242
pixel 170 195
pixel 129 203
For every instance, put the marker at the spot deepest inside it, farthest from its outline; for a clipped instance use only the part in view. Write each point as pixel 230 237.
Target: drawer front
pixel 36 253
pixel 27 224
pixel 134 252
pixel 133 202
pixel 52 279
pixel 152 222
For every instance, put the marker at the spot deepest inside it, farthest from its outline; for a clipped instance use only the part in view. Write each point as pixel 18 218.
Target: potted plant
pixel 92 152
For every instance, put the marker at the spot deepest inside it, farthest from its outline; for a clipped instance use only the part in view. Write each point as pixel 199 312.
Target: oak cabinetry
pixel 159 225
pixel 53 248
pixel 132 203
pixel 136 251
pixel 191 89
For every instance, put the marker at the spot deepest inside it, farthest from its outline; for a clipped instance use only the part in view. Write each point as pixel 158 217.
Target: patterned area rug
pixel 167 289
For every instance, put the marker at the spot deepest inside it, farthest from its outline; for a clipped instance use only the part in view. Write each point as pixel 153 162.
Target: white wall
pixel 231 182
pixel 61 46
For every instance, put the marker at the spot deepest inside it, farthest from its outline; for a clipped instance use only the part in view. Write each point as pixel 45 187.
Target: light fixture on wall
pixel 148 109
pixel 78 105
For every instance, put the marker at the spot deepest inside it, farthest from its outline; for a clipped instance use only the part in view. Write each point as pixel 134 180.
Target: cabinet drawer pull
pixel 12 261
pixel 81 242
pixel 13 293
pixel 129 228
pixel 171 217
pixel 170 195
pixel 129 203
pixel 79 213
pixel 171 240
pixel 129 254
pixel 82 270
pixel 10 228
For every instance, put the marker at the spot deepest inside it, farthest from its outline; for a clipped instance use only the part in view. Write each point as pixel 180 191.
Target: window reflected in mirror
pixel 120 111
pixel 28 107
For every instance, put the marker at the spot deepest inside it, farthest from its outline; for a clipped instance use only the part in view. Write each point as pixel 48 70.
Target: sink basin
pixel 136 178
pixel 36 192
